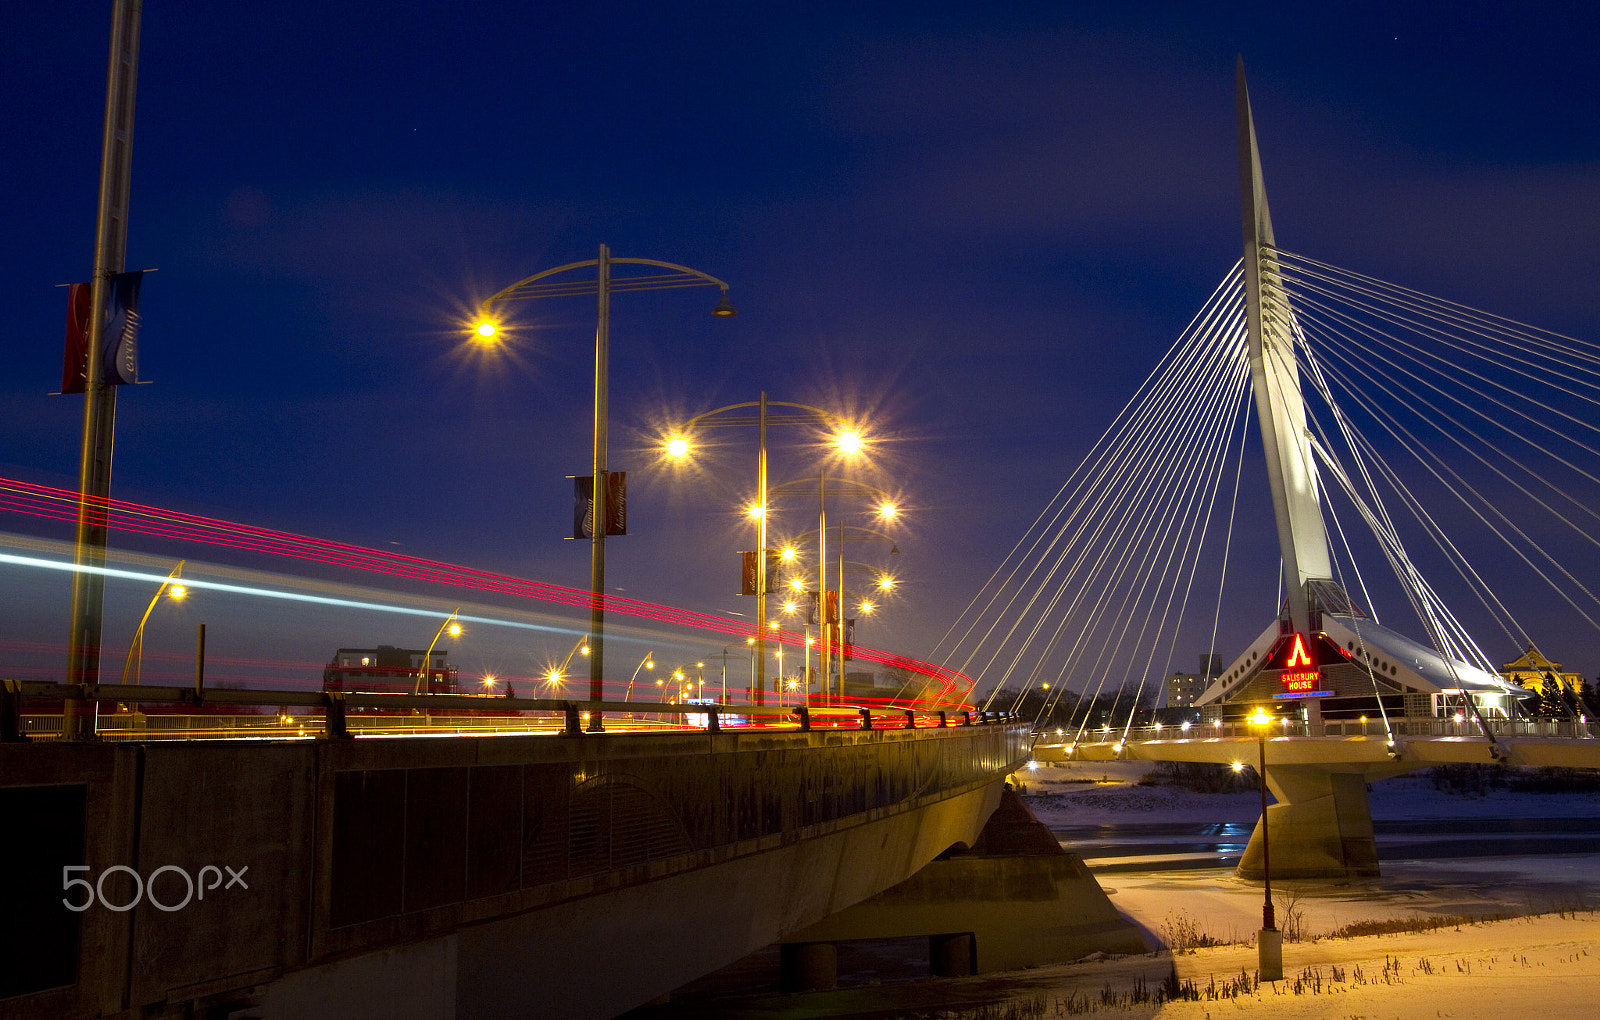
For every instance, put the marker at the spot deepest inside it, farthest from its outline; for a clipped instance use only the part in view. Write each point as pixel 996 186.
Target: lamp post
pixel 424 683
pixel 603 285
pixel 886 510
pixel 99 395
pixel 135 660
pixel 1269 941
pixel 648 662
pixel 768 412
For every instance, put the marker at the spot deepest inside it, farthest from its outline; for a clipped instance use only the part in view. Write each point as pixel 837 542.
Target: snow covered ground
pixel 1546 966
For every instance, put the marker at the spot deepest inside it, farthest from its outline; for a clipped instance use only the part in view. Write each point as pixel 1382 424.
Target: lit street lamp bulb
pixel 177 591
pixel 486 329
pixel 455 629
pixel 887 511
pixel 849 441
pixel 886 582
pixel 677 447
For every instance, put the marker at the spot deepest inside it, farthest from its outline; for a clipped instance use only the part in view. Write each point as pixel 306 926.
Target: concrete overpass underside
pixel 456 877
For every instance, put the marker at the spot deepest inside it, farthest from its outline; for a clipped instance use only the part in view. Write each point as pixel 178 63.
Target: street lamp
pixel 1269 941
pixel 135 659
pixel 557 676
pixel 648 662
pixel 768 412
pixel 540 286
pixel 886 510
pixel 450 624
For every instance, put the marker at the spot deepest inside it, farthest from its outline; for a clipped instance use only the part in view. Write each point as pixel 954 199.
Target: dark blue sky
pixel 977 227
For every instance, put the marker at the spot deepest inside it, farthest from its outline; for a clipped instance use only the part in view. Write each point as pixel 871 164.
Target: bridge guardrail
pixel 331 716
pixel 1424 726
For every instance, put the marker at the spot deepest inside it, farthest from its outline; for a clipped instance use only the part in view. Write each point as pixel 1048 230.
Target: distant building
pixel 388 670
pixel 1184 688
pixel 1530 670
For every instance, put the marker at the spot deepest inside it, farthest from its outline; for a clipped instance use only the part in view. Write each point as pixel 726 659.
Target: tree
pixel 1551 704
pixel 1587 699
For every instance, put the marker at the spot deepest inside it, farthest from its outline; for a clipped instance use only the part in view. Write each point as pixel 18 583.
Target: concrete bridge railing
pixel 455 876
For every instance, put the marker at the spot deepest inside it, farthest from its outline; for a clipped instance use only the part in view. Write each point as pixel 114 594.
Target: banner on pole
pixel 120 339
pixel 75 357
pixel 616 504
pixel 119 335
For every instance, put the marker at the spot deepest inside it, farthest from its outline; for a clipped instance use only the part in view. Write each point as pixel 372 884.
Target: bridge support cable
pixel 1136 577
pixel 1231 416
pixel 1486 509
pixel 1080 486
pixel 1450 367
pixel 1148 528
pixel 1167 473
pixel 1078 546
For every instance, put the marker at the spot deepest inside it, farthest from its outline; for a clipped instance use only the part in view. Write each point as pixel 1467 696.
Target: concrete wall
pixel 488 870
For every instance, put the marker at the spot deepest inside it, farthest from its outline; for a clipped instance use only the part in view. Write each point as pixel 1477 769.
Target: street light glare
pixel 849 441
pixel 787 553
pixel 888 511
pixel 754 511
pixel 886 582
pixel 486 330
pixel 455 629
pixel 677 447
pixel 177 591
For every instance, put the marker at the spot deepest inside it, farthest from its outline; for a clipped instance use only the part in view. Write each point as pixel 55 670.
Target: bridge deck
pixel 702 846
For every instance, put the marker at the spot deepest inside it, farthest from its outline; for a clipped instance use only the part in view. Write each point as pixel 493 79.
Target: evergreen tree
pixel 1587 699
pixel 1550 705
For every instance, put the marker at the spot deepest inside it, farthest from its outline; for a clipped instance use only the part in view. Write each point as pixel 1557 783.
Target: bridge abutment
pixel 1321 826
pixel 1015 900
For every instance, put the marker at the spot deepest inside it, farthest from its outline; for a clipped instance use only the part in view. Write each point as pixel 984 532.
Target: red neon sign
pixel 1300 673
pixel 1298 656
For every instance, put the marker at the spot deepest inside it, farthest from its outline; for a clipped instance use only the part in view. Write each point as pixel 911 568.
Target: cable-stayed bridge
pixel 1422 457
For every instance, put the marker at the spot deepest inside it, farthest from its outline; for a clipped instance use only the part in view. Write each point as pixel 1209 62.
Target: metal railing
pixel 1421 726
pixel 339 715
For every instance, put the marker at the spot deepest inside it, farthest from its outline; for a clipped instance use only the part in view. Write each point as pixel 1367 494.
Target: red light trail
pixel 120 515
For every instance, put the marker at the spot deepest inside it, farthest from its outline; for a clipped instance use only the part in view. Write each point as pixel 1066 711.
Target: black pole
pixel 1267 920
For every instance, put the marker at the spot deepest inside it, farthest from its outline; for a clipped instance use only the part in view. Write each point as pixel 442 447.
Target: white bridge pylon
pixel 1323 645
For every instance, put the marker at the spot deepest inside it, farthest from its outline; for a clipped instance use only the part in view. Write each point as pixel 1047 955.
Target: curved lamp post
pixel 135 660
pixel 767 412
pixel 450 624
pixel 542 285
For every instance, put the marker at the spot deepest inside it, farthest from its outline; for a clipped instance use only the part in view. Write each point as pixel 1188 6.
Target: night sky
pixel 975 230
